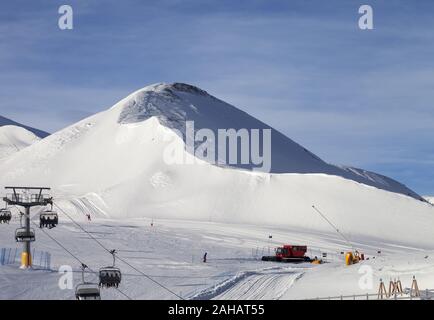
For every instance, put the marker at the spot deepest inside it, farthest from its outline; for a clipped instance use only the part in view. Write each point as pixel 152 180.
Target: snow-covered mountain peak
pixel 127 139
pixel 170 103
pixel 430 199
pixel 173 87
pixel 156 100
pixel 175 104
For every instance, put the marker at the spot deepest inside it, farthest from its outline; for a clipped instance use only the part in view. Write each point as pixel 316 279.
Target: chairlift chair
pixel 48 219
pixel 5 216
pixel 21 235
pixel 87 290
pixel 110 276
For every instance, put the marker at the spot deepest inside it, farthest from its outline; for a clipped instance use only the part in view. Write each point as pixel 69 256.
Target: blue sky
pixel 362 98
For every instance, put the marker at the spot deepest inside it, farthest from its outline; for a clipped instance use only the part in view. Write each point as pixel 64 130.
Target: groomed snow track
pixel 264 284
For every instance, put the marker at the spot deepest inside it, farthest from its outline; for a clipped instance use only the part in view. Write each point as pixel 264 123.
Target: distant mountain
pixel 430 199
pixel 8 122
pixel 115 163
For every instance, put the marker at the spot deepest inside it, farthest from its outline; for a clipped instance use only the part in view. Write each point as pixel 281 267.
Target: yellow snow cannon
pixel 353 258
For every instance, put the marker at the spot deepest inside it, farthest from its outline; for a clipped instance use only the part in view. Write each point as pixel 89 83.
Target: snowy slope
pixel 173 104
pixel 14 139
pixel 171 252
pixel 112 166
pixel 117 157
pixel 429 199
pixel 8 122
pixel 380 181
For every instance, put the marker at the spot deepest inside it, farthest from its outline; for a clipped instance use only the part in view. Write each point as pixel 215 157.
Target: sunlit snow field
pixel 171 252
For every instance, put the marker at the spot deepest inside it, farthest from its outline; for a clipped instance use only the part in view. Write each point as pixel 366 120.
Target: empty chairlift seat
pixel 48 219
pixel 5 216
pixel 21 235
pixel 87 291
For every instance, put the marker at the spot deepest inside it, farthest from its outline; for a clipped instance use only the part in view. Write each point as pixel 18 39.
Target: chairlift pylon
pixel 87 290
pixel 27 198
pixel 110 276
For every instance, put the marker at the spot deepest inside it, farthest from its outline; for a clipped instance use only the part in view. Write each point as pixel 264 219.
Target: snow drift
pixel 117 157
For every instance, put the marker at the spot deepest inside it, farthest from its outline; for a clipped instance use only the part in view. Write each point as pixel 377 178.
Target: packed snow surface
pixel 171 253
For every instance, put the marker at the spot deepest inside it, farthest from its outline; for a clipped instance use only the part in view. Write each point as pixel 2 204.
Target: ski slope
pixel 170 252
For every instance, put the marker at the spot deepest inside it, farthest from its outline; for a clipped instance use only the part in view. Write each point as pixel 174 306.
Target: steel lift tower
pixel 27 197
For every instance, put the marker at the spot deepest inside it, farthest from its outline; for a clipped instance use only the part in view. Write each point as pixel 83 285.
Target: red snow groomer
pixel 289 253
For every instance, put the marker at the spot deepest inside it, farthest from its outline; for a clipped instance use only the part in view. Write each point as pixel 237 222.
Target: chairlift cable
pixel 60 244
pixel 119 258
pixel 76 258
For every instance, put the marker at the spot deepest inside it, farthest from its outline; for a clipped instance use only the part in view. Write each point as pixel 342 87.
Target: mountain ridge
pixel 6 121
pixel 14 139
pixel 174 104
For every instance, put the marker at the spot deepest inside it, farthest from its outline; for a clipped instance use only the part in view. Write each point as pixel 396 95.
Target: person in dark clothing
pixel 204 257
